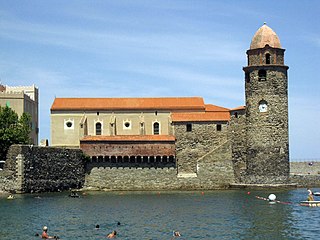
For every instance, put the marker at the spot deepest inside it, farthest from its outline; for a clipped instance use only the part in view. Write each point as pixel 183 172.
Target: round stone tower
pixel 266 91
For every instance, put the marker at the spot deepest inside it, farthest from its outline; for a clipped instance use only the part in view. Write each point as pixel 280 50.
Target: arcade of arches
pixel 135 153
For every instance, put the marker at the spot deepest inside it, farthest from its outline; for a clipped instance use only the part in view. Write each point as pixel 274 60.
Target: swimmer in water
pixel 112 235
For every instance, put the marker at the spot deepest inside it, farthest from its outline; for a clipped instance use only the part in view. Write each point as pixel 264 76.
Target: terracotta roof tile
pixel 200 117
pixel 131 138
pixel 170 103
pixel 214 108
pixel 238 108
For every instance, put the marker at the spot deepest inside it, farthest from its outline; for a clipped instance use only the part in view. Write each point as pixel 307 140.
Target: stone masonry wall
pixel 190 146
pixel 39 169
pixel 267 132
pixel 216 168
pixel 204 161
pixel 305 174
pixel 7 181
pixel 305 168
pixel 237 133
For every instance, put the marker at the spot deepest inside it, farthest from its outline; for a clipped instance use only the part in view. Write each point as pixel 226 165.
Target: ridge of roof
pixel 215 108
pixel 238 108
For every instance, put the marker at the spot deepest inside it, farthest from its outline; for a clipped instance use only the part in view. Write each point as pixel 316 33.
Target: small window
pixel 7 103
pixel 247 77
pixel 262 75
pixel 268 58
pixel 189 127
pixel 219 127
pixel 98 128
pixel 69 124
pixel 236 114
pixel 98 113
pixel 127 124
pixel 156 128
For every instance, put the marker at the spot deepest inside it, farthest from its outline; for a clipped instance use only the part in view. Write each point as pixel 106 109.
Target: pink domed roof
pixel 265 36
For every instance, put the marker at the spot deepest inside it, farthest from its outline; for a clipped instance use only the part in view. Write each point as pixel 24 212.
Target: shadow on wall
pixel 141 165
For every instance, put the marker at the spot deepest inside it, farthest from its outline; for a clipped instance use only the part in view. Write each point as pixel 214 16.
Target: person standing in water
pixel 310 195
pixel 45 235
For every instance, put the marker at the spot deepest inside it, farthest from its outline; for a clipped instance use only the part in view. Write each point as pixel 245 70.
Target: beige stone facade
pixel 68 128
pixel 23 99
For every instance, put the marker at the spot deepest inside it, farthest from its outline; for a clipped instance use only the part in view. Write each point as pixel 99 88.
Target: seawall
pixel 305 174
pixel 42 169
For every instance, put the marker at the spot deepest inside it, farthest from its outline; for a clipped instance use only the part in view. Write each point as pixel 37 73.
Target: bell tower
pixel 266 93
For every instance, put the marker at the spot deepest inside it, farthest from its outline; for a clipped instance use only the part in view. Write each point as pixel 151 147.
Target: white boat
pixel 10 197
pixel 310 203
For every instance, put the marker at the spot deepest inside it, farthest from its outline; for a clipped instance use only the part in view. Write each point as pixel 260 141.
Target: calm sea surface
pixel 230 214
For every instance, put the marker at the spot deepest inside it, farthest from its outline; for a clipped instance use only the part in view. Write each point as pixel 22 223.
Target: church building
pixel 183 141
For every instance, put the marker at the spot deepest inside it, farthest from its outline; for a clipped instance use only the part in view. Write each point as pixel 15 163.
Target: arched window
pixel 262 75
pixel 98 128
pixel 156 128
pixel 268 58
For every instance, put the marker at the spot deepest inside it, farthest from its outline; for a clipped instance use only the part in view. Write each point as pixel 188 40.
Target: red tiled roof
pixel 238 108
pixel 168 103
pixel 131 138
pixel 200 117
pixel 214 108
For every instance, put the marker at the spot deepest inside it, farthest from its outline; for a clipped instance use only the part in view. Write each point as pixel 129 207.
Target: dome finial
pixel 264 23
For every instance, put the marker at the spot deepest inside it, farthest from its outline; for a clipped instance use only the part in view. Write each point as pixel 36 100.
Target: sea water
pixel 228 214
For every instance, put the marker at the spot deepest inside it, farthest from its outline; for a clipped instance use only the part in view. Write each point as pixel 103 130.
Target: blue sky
pixel 158 49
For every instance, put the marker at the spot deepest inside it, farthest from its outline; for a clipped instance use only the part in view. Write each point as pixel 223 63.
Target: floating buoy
pixel 272 197
pixel 248 193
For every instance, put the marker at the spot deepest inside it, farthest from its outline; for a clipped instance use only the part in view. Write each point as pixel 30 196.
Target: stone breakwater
pixel 305 174
pixel 42 169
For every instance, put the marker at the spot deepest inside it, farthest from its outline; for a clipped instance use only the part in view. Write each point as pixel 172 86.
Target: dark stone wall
pixel 238 138
pixel 7 181
pixel 267 150
pixel 267 132
pixel 43 169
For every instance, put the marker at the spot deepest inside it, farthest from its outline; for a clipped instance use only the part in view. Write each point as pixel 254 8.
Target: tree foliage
pixel 13 130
